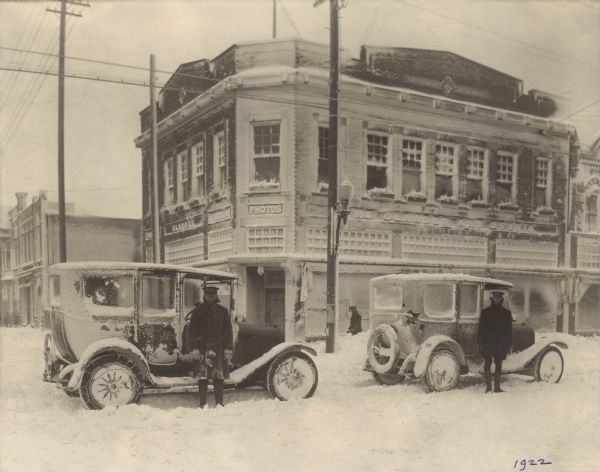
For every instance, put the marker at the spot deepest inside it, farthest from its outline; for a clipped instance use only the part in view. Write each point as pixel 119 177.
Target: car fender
pixel 430 345
pixel 244 372
pixel 117 345
pixel 519 361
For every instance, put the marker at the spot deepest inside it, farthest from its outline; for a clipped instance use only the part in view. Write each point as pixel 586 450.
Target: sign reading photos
pixel 265 210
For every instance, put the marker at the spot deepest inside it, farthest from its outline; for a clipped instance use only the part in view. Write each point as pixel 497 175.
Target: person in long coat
pixel 494 338
pixel 211 335
pixel 355 321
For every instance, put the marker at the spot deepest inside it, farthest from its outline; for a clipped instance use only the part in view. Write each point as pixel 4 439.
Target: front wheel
pixel 549 365
pixel 443 371
pixel 292 375
pixel 110 380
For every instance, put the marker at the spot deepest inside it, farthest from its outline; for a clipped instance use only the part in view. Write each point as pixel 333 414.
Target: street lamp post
pixel 338 216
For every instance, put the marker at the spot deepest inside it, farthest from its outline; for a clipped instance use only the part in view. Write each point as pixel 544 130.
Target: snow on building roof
pixel 425 277
pixel 120 265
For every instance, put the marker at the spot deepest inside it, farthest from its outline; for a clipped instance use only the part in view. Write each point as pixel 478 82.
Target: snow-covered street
pixel 352 424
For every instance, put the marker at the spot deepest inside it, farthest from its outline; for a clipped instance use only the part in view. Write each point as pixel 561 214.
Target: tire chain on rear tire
pixel 282 358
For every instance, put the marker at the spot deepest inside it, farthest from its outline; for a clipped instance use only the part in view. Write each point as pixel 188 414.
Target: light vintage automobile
pixel 118 330
pixel 425 326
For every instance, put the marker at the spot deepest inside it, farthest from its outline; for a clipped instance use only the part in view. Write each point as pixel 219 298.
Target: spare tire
pixel 383 349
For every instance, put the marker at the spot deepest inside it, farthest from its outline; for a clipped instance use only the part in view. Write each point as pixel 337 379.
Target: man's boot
pixel 497 375
pixel 488 381
pixel 218 386
pixel 203 391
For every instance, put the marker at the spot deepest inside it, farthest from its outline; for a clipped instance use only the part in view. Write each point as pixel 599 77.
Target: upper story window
pixel 197 151
pixel 219 161
pixel 378 162
pixel 477 189
pixel 412 166
pixel 323 163
pixel 266 155
pixel 506 178
pixel 169 181
pixel 543 182
pixel 445 171
pixel 183 190
pixel 591 210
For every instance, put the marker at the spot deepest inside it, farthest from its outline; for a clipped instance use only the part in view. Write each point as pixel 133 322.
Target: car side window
pixel 158 295
pixel 192 293
pixel 439 300
pixel 469 301
pixel 108 290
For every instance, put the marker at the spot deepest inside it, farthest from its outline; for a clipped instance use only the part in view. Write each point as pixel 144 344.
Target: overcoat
pixel 211 333
pixel 494 333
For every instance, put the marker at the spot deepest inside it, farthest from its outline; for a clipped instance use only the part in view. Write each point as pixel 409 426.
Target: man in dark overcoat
pixel 211 335
pixel 355 321
pixel 494 338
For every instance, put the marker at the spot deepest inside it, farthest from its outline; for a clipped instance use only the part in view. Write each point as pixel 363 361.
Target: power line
pixel 494 33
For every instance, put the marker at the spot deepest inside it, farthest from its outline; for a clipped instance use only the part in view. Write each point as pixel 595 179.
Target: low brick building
pixel 33 246
pixel 454 168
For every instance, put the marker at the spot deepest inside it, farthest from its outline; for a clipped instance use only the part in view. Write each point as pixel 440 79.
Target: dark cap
pixel 211 289
pixel 497 292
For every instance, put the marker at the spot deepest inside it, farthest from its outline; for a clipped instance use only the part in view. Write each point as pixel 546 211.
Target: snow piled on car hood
pixel 351 423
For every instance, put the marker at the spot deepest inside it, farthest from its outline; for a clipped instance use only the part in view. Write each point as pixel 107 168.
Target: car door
pixel 159 319
pixel 469 307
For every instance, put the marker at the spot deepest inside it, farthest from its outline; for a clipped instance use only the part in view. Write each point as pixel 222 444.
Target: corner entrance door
pixel 275 307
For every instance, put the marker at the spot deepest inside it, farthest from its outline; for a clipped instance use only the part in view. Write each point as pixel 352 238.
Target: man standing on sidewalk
pixel 494 338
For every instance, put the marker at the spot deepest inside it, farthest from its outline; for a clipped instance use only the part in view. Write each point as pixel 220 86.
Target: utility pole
pixel 274 19
pixel 62 221
pixel 333 176
pixel 153 130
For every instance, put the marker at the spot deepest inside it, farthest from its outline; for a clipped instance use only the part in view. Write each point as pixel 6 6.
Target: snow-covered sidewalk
pixel 352 424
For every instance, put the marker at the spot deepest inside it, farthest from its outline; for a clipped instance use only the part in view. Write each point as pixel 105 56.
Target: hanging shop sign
pixel 265 210
pixel 219 215
pixel 184 225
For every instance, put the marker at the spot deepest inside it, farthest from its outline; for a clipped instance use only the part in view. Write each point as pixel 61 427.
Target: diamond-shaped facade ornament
pixel 448 85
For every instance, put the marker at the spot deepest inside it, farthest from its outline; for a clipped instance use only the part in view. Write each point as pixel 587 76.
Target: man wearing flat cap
pixel 494 338
pixel 212 335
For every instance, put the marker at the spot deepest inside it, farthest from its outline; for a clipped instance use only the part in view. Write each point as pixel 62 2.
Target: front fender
pixel 430 345
pixel 244 372
pixel 108 345
pixel 519 361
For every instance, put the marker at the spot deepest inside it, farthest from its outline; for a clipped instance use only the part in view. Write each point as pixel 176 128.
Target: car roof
pixel 425 277
pixel 119 265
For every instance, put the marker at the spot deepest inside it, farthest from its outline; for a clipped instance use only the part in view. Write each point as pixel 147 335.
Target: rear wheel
pixel 110 380
pixel 549 365
pixel 383 349
pixel 387 379
pixel 443 371
pixel 292 375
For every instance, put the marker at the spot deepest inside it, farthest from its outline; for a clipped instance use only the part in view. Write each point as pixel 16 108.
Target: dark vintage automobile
pixel 425 326
pixel 118 330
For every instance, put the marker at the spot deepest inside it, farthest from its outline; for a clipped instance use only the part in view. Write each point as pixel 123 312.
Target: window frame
pixel 199 176
pixel 169 181
pixel 322 184
pixel 548 184
pixel 389 158
pixel 183 175
pixel 453 173
pixel 513 181
pixel 220 168
pixel 259 185
pixel 485 188
pixel 422 171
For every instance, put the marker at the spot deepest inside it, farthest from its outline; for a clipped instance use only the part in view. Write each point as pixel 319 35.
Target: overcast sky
pixel 552 46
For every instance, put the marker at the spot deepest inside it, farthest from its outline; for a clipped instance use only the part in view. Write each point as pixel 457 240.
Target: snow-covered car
pixel 118 330
pixel 425 325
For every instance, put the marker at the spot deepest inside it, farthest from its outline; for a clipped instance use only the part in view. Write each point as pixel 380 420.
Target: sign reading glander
pixel 265 210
